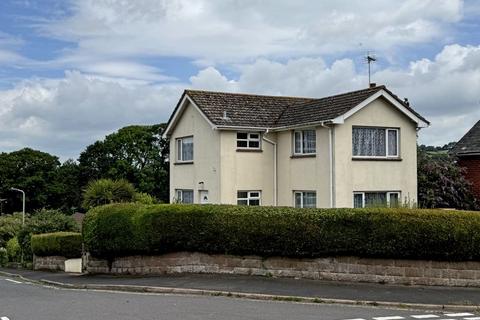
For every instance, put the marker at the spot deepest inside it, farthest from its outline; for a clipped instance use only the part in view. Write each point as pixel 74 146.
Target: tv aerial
pixel 370 58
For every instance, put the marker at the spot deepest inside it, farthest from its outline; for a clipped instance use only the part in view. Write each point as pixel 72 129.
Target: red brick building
pixel 468 152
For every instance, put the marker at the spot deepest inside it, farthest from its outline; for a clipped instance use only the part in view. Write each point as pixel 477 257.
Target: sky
pixel 72 71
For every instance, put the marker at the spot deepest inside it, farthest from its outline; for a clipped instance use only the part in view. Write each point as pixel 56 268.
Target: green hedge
pixel 126 229
pixel 67 244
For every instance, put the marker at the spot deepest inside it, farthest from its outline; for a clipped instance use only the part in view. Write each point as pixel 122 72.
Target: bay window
pixel 375 142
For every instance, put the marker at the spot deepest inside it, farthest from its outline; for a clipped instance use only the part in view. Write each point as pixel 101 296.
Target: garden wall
pixel 50 263
pixel 393 271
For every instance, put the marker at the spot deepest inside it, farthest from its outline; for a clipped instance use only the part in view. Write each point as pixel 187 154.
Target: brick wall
pixel 408 272
pixel 51 263
pixel 472 166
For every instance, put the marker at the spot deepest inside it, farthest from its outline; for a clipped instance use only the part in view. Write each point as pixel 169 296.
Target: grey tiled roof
pixel 470 142
pixel 246 110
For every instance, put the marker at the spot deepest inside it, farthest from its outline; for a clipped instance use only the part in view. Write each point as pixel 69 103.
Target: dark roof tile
pixel 470 142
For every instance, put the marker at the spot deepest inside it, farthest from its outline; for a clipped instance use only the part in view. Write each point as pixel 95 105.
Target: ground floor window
pixel 376 199
pixel 249 198
pixel 184 196
pixel 305 199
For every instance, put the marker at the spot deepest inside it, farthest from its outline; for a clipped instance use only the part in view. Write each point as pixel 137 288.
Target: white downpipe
pixel 274 167
pixel 330 156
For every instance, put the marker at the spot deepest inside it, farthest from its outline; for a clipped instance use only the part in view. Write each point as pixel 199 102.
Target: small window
pixel 184 196
pixel 185 149
pixel 376 199
pixel 304 142
pixel 375 142
pixel 305 199
pixel 248 140
pixel 248 198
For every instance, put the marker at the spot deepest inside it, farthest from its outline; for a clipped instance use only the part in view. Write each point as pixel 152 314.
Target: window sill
pixel 376 159
pixel 249 150
pixel 182 163
pixel 308 155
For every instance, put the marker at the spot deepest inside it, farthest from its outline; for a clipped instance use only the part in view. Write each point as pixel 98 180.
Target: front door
pixel 204 197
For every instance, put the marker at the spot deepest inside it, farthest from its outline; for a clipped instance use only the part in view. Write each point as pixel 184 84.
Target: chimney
pixel 373 85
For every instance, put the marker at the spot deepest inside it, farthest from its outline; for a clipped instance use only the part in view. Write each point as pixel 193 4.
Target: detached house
pixel 349 150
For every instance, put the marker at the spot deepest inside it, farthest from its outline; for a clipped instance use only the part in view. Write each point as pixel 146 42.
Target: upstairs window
pixel 248 198
pixel 375 142
pixel 305 199
pixel 185 149
pixel 248 140
pixel 304 142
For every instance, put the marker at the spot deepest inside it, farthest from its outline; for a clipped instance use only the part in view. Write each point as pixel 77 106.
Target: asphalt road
pixel 24 301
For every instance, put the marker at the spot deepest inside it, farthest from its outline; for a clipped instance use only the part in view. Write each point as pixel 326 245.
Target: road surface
pixel 25 301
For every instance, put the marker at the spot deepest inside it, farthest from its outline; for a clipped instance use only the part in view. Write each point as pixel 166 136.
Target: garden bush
pixel 66 244
pixel 14 251
pixel 44 221
pixel 10 225
pixel 126 229
pixel 105 191
pixel 3 257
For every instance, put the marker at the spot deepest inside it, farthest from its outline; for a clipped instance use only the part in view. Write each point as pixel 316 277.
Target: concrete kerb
pixel 244 295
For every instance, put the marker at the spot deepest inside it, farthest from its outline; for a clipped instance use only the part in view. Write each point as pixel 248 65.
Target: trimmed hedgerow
pixel 126 229
pixel 66 244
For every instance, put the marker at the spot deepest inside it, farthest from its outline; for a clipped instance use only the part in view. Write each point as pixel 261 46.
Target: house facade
pixel 467 151
pixel 350 150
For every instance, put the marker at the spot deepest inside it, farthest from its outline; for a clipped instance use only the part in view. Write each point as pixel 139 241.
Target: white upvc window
pixel 304 142
pixel 376 199
pixel 372 142
pixel 184 149
pixel 248 140
pixel 249 198
pixel 184 195
pixel 305 199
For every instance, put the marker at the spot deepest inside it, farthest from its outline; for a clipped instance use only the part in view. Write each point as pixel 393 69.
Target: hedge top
pixel 67 244
pixel 126 229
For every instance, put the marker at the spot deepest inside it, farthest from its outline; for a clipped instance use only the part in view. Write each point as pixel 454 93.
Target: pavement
pixel 263 288
pixel 22 299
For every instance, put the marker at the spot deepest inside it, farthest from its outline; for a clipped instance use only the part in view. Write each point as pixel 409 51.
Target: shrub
pixel 13 250
pixel 126 229
pixel 44 221
pixel 105 191
pixel 67 244
pixel 144 198
pixel 10 225
pixel 3 257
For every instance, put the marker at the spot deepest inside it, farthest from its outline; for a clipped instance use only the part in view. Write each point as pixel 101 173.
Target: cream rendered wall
pixel 206 151
pixel 303 173
pixel 352 175
pixel 246 170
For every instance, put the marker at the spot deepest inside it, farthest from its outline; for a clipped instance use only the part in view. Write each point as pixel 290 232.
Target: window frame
pixel 248 139
pixel 302 152
pixel 386 156
pixel 179 195
pixel 249 197
pixel 302 194
pixel 387 196
pixel 179 149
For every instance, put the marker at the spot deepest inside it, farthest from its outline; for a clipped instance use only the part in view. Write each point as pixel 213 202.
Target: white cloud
pixel 62 116
pixel 229 30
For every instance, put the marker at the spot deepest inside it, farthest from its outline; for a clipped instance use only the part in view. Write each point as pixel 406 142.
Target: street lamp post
pixel 23 207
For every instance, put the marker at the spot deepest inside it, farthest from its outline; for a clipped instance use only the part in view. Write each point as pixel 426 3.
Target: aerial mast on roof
pixel 370 58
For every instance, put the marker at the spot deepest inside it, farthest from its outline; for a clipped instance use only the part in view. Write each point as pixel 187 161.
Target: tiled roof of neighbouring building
pixel 470 142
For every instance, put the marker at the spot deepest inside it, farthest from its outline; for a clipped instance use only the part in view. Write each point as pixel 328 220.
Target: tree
pixel 136 153
pixel 441 183
pixel 105 191
pixel 32 171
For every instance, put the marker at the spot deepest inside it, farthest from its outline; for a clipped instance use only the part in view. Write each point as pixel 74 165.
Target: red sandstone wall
pixel 472 166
